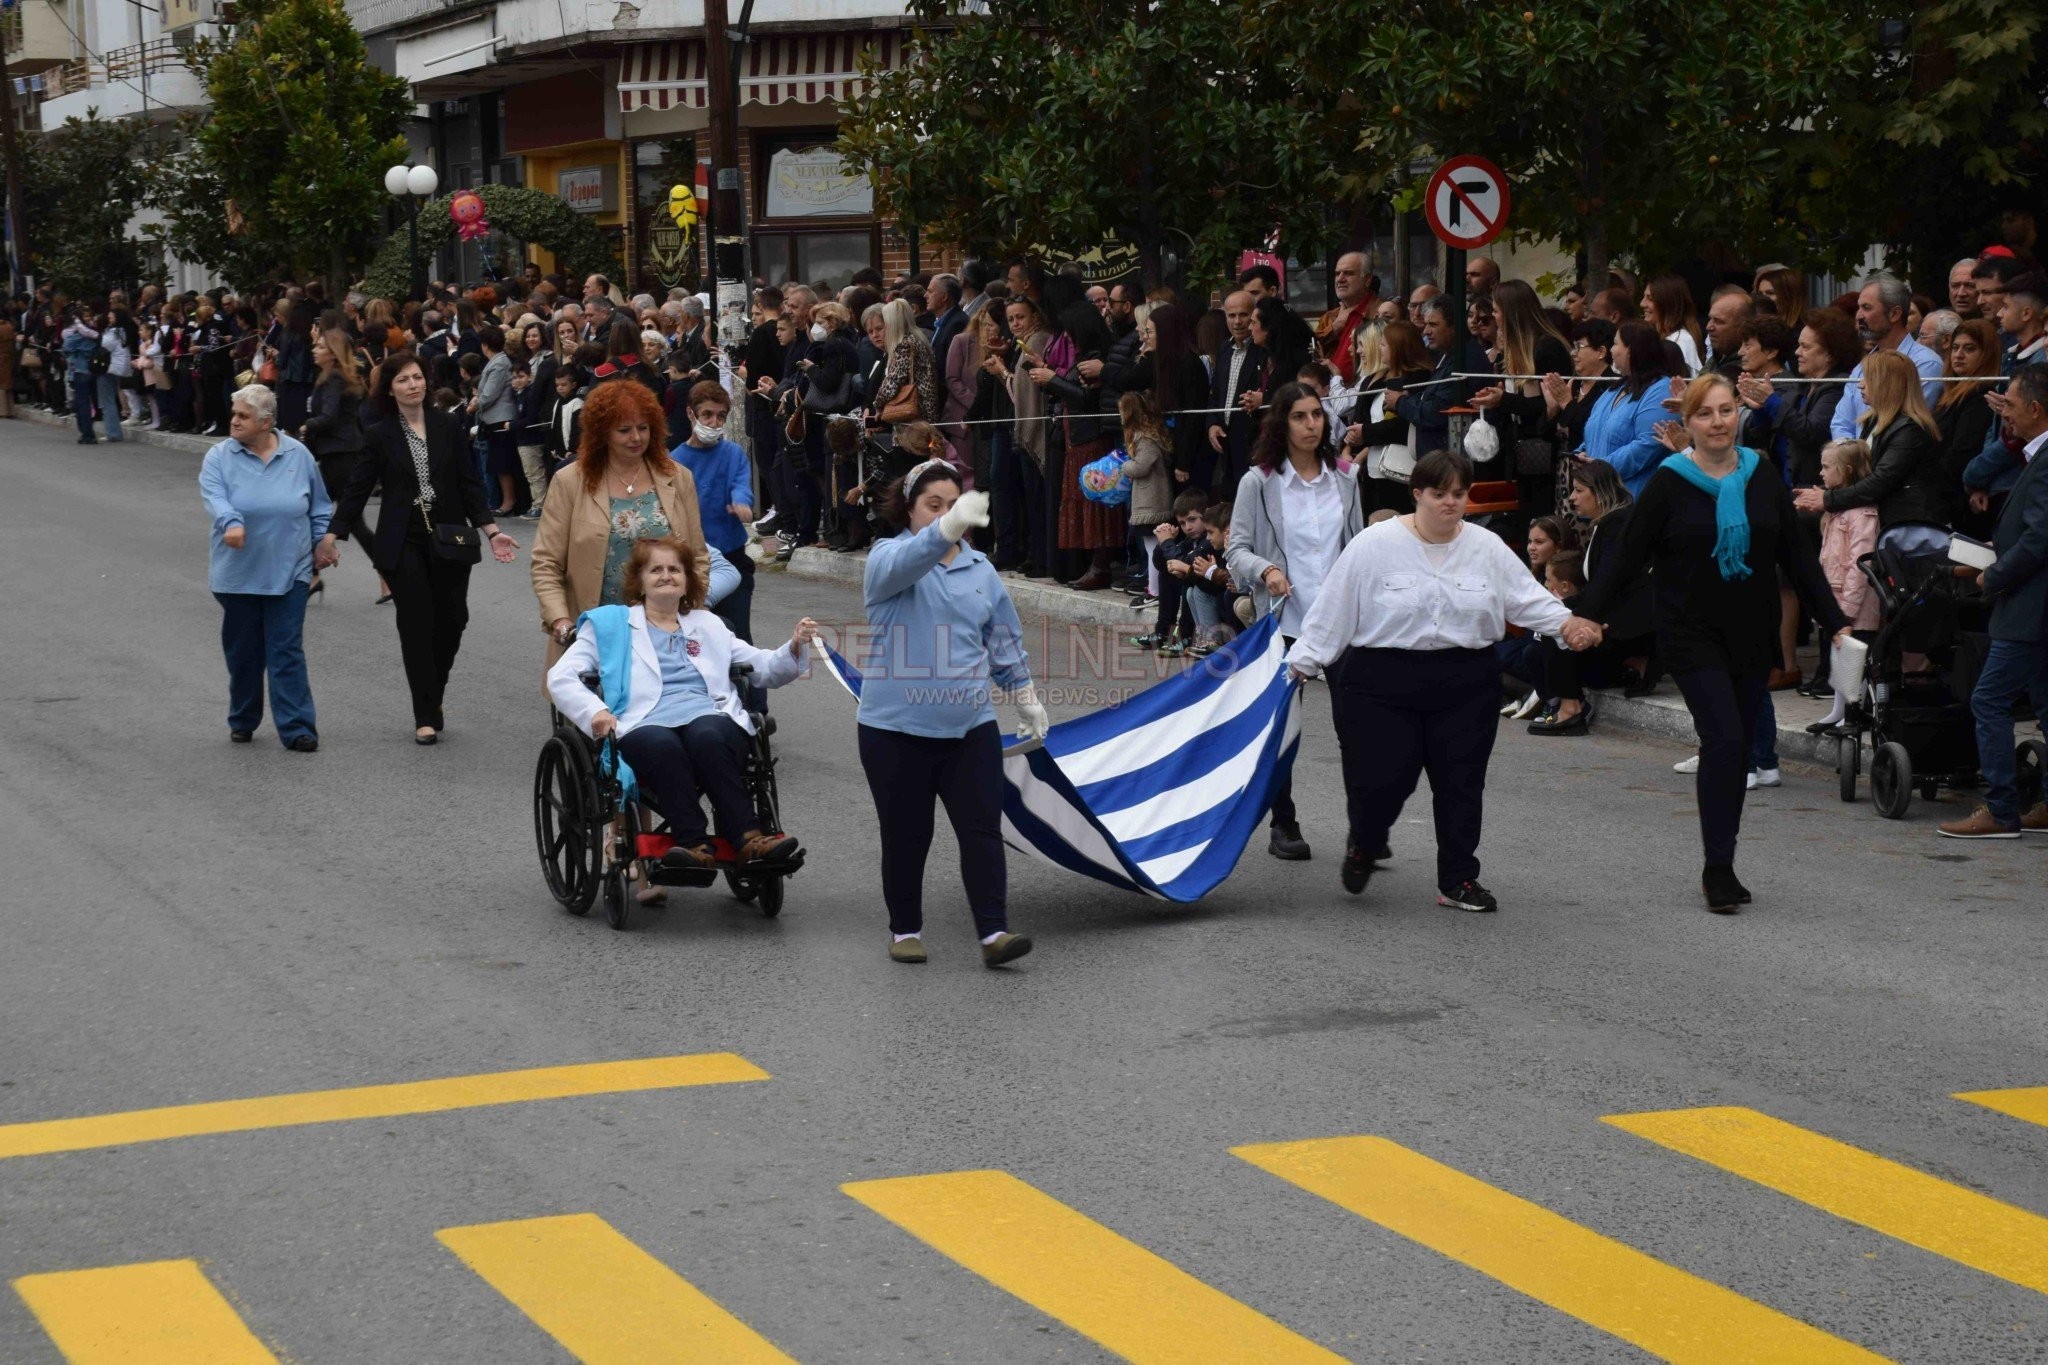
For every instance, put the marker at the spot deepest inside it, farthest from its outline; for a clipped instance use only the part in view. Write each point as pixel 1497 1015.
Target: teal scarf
pixel 614 627
pixel 1731 511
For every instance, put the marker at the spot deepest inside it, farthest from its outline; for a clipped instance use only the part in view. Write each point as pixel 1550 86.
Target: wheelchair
pixel 589 837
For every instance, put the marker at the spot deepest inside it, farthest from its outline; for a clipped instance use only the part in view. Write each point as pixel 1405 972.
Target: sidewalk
pixel 168 440
pixel 1662 714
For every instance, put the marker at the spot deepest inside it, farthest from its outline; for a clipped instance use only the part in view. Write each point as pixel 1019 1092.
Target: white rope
pixel 1177 412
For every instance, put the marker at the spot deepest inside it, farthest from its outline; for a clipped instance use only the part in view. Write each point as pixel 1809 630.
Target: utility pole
pixel 725 232
pixel 17 215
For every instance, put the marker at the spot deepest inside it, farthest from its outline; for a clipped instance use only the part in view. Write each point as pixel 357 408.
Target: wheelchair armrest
pixel 591 681
pixel 740 672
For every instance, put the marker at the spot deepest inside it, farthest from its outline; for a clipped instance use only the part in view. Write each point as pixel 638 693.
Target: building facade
pixel 606 104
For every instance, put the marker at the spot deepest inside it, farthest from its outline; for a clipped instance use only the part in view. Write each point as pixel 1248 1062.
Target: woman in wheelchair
pixel 664 663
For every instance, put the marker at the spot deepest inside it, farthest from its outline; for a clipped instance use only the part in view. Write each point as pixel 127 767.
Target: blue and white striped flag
pixel 1160 794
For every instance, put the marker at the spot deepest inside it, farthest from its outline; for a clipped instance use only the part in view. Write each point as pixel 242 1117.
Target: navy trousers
pixel 907 774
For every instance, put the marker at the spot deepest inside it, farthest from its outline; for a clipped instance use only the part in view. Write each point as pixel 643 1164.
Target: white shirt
pixel 1688 348
pixel 1312 517
pixel 1389 590
pixel 2033 447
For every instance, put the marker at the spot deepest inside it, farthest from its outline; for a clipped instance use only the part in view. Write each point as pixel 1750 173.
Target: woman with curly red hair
pixel 622 489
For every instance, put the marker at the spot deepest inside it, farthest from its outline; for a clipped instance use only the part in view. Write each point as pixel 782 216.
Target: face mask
pixel 707 436
pixel 817 331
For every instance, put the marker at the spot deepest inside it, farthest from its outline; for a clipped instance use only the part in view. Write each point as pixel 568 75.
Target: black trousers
pixel 737 610
pixel 1724 707
pixel 431 599
pixel 335 471
pixel 907 773
pixel 1403 712
pixel 681 765
pixel 1566 672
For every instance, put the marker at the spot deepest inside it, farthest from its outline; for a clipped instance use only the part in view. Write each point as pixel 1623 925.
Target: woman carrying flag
pixel 943 632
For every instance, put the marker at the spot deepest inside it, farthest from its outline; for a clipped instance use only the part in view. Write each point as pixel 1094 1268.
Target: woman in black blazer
pixel 430 593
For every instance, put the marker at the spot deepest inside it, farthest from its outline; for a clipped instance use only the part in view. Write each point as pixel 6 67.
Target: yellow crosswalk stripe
pixel 1601 1282
pixel 603 1298
pixel 2028 1104
pixel 154 1313
pixel 1065 1264
pixel 374 1102
pixel 1898 1201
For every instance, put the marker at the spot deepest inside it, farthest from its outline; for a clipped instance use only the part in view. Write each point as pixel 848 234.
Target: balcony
pixel 36 37
pixel 116 85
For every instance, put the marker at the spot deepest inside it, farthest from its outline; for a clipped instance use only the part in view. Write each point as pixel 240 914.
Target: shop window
pixel 813 220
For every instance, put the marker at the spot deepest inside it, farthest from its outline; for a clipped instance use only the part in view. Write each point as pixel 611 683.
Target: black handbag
pixel 453 542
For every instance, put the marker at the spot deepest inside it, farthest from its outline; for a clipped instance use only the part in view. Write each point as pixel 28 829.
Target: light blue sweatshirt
pixel 940 634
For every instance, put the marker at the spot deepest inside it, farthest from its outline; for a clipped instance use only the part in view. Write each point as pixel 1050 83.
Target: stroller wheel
pixel 1848 760
pixel 2030 759
pixel 1891 780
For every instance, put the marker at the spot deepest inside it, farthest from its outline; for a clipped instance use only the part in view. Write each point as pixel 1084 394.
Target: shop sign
pixel 816 184
pixel 1105 264
pixel 588 189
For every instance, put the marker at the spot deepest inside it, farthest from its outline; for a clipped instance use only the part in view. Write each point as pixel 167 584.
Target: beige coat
pixel 575 531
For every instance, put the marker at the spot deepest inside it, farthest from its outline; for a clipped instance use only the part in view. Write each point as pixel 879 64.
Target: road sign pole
pixel 1454 290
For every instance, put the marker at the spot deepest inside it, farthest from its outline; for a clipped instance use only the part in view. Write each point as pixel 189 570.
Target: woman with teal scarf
pixel 1713 536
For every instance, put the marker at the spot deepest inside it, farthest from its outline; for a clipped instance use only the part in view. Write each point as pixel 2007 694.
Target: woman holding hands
pixel 1710 531
pixel 943 635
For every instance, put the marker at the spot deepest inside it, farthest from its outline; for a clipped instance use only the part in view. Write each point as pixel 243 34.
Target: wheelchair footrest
pixel 653 846
pixel 658 875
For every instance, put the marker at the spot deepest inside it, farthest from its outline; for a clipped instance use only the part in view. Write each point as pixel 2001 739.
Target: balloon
pixel 467 209
pixel 682 206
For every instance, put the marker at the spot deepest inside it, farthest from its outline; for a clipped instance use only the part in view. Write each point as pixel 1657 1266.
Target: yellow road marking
pixel 603 1298
pixel 1065 1264
pixel 155 1313
pixel 1634 1296
pixel 2029 1104
pixel 373 1102
pixel 1850 1183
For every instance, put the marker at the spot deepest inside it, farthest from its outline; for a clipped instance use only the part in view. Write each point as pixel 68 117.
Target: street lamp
pixel 412 184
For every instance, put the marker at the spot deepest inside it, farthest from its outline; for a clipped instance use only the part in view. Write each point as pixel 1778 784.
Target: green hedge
pixel 533 216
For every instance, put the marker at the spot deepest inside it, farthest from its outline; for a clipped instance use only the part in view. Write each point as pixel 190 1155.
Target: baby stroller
pixel 1915 720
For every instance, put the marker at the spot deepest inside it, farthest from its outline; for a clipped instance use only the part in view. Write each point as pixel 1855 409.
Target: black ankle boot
pixel 1725 895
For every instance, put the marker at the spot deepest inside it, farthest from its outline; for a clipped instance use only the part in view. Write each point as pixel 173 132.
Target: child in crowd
pixel 1522 656
pixel 564 423
pixel 1846 537
pixel 1547 537
pixel 447 400
pixel 1237 606
pixel 1565 576
pixel 1180 541
pixel 1149 471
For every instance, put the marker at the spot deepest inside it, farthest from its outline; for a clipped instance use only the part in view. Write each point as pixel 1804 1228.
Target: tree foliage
pixel 81 184
pixel 533 216
pixel 1648 130
pixel 286 172
pixel 1055 124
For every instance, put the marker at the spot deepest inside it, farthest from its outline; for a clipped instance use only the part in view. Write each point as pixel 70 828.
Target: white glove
pixel 1033 722
pixel 971 510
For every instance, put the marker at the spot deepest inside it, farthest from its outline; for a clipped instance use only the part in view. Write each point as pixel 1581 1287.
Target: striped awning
pixel 780 68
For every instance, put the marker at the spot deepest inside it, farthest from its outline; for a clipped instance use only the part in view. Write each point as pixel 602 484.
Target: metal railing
pixel 116 64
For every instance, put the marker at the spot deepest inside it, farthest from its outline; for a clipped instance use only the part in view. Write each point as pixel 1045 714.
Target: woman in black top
pixel 1905 461
pixel 1376 431
pixel 1624 656
pixel 1964 414
pixel 422 458
pixel 1529 344
pixel 333 429
pixel 1802 414
pixel 1170 369
pixel 1710 544
pixel 1285 338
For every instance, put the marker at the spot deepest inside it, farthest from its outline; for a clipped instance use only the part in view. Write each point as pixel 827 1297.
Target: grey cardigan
pixel 495 400
pixel 1256 523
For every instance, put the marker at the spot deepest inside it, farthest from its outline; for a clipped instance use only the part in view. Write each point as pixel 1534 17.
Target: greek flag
pixel 1159 794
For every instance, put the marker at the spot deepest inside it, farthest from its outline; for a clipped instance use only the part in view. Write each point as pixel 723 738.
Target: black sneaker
pixel 240 736
pixel 1357 870
pixel 1468 896
pixel 1725 895
pixel 1287 844
pixel 766 525
pixel 304 744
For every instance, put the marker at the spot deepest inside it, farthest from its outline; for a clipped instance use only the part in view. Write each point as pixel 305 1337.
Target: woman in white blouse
pixel 1295 512
pixel 1414 607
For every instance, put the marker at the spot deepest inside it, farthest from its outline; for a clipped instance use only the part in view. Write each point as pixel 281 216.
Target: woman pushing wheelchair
pixel 664 665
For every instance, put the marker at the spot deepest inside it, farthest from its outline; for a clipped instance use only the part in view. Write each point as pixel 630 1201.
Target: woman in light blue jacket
pixel 1622 429
pixel 943 635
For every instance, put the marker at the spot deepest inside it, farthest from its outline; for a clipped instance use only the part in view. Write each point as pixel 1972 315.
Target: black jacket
pixel 1631 615
pixel 1905 478
pixel 334 422
pixel 387 460
pixel 2018 583
pixel 1964 425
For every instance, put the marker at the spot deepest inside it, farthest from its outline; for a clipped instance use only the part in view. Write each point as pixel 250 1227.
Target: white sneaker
pixel 1763 777
pixel 1687 766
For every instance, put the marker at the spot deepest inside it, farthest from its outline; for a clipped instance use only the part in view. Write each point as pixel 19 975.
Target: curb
pixel 1662 715
pixel 167 440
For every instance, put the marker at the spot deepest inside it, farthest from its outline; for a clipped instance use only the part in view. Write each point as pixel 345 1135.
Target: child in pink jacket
pixel 1846 537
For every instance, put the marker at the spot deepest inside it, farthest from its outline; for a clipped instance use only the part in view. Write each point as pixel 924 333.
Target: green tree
pixel 292 156
pixel 533 216
pixel 1051 125
pixel 81 185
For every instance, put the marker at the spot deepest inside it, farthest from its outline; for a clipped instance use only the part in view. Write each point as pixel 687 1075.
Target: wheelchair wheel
pixel 616 900
pixel 744 889
pixel 1891 780
pixel 771 895
pixel 1848 759
pixel 2030 759
pixel 568 822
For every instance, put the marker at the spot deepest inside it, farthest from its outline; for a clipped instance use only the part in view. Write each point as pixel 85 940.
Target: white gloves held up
pixel 970 511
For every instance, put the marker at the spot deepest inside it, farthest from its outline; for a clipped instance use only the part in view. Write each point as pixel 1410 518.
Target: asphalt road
pixel 189 921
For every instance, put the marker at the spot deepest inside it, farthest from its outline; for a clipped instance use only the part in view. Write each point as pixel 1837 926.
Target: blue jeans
pixel 1763 745
pixel 110 405
pixel 265 634
pixel 81 405
pixel 1207 610
pixel 2012 667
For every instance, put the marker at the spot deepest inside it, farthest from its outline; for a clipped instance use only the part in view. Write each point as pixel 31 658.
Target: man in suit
pixel 975 275
pixel 1235 373
pixel 2017 584
pixel 943 298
